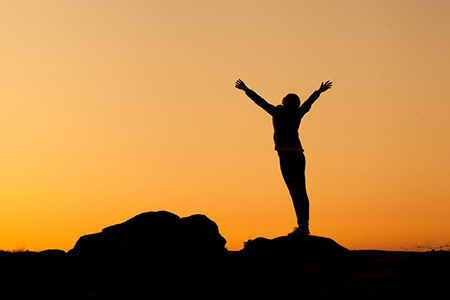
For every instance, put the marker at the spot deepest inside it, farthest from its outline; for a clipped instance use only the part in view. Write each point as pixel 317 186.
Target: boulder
pixel 154 236
pixel 294 248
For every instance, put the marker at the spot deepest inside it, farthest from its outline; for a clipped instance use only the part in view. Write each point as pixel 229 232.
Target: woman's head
pixel 291 101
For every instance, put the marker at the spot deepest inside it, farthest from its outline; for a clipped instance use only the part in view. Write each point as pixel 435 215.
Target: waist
pixel 289 149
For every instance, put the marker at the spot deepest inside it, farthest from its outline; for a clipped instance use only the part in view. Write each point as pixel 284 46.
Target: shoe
pixel 299 232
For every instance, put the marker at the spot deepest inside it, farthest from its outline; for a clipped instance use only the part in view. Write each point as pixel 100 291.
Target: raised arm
pixel 255 97
pixel 306 106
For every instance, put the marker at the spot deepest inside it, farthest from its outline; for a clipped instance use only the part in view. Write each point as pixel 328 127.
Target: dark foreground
pixel 362 274
pixel 283 268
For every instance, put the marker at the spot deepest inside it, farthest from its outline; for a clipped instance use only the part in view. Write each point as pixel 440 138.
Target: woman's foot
pixel 299 232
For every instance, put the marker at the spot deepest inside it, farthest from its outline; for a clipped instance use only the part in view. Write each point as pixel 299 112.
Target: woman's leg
pixel 292 166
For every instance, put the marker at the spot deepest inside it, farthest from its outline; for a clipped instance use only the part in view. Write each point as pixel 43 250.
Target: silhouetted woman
pixel 286 122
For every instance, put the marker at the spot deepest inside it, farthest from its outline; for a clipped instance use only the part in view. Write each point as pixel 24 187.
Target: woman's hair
pixel 291 100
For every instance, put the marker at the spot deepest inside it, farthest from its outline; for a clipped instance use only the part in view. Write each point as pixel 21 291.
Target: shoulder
pixel 279 109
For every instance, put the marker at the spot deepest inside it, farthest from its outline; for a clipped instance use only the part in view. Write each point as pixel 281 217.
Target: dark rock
pixel 159 237
pixel 201 235
pixel 53 252
pixel 294 248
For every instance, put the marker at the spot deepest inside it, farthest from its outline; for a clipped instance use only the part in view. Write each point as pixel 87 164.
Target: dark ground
pixel 53 274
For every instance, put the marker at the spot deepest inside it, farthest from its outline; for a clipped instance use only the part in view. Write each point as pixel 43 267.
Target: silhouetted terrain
pixel 157 255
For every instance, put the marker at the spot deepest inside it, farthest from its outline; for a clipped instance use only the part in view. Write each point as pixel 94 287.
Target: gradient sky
pixel 112 108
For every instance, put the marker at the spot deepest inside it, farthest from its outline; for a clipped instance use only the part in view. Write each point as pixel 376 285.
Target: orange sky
pixel 113 108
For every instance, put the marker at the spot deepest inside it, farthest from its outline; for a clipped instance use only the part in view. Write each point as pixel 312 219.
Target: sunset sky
pixel 111 108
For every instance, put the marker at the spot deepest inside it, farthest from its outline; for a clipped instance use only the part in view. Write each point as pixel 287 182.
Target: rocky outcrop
pixel 294 248
pixel 164 239
pixel 157 236
pixel 158 255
